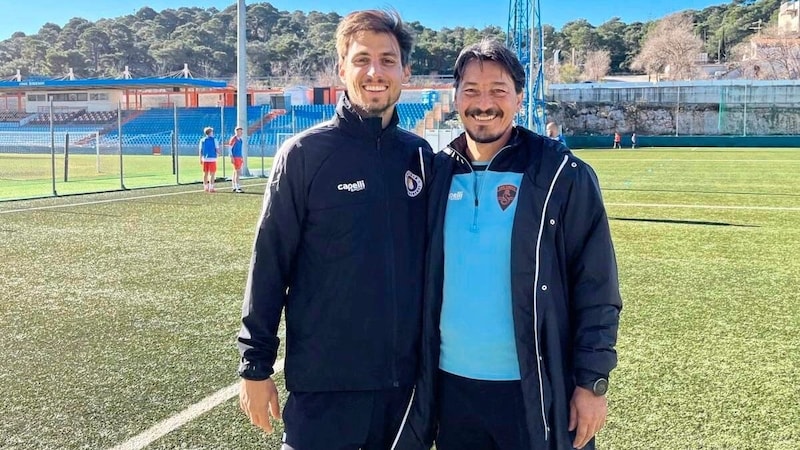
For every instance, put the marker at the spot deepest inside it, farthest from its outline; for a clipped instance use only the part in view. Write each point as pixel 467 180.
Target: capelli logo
pixel 356 186
pixel 455 196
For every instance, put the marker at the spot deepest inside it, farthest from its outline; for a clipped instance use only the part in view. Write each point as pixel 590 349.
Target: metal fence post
pixel 263 138
pixel 222 136
pixel 66 157
pixel 97 149
pixel 52 149
pixel 744 117
pixel 173 153
pixel 119 147
pixel 177 143
pixel 677 110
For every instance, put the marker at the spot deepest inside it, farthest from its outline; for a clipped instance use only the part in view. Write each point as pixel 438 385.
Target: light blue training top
pixel 477 326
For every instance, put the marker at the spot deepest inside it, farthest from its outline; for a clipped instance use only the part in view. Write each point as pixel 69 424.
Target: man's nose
pixel 374 69
pixel 485 101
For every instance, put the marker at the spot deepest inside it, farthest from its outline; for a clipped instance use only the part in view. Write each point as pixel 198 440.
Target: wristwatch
pixel 599 387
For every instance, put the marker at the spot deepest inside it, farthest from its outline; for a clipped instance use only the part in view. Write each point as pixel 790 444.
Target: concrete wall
pixel 753 92
pixel 671 120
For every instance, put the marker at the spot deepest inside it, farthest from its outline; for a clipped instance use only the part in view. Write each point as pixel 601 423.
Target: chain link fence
pixel 53 154
pixel 698 108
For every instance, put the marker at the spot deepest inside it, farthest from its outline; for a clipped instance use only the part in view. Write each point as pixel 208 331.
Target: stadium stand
pixel 12 116
pixel 411 113
pixel 154 127
pixel 96 118
pixel 60 118
pixel 302 117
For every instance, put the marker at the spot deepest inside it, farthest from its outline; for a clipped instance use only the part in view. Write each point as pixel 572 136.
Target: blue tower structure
pixel 526 38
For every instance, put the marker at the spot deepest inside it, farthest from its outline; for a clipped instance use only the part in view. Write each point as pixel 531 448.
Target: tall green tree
pixel 611 38
pixel 154 42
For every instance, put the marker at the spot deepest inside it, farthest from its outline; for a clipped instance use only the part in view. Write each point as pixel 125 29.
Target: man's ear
pixel 407 73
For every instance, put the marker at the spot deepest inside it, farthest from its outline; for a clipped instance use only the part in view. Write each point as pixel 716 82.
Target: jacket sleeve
pixel 276 242
pixel 593 282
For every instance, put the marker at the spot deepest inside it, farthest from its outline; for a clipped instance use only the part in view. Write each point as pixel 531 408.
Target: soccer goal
pixel 280 138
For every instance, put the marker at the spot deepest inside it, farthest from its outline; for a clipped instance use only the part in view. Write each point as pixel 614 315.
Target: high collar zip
pixel 458 149
pixel 370 128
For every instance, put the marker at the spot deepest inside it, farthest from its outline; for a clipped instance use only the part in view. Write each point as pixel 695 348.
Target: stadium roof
pixel 98 83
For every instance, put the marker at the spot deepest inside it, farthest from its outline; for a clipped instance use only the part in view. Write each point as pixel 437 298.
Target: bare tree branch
pixel 597 65
pixel 670 49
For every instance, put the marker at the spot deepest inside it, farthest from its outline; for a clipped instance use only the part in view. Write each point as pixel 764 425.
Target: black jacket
pixel 564 285
pixel 340 245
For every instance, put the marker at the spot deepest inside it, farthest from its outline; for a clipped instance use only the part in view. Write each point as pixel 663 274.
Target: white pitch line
pixel 683 161
pixel 99 202
pixel 171 424
pixel 662 205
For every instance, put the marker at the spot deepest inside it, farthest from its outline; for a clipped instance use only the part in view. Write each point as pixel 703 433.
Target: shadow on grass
pixel 684 222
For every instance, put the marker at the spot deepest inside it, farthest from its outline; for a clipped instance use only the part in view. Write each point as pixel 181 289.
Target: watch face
pixel 600 386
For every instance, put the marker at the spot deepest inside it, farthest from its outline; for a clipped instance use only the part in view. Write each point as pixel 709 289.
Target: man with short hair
pixel 340 245
pixel 235 145
pixel 522 299
pixel 208 158
pixel 554 133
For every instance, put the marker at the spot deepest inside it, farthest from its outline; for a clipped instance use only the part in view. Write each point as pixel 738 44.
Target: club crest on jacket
pixel 413 184
pixel 505 195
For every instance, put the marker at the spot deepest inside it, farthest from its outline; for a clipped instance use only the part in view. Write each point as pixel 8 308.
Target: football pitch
pixel 119 310
pixel 24 175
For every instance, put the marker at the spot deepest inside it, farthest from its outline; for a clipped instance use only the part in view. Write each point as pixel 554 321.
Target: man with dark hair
pixel 521 294
pixel 340 245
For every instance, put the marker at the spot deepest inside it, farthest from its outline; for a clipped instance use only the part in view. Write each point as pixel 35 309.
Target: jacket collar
pixel 458 147
pixel 351 122
pixel 526 152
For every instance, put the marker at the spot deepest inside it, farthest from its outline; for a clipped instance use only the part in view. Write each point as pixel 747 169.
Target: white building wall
pixel 789 16
pixel 108 101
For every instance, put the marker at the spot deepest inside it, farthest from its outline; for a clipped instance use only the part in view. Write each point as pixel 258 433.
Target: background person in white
pixel 522 298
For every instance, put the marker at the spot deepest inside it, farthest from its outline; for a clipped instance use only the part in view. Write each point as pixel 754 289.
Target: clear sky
pixel 29 16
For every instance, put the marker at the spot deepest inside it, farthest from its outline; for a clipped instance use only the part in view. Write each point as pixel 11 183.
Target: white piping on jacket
pixel 405 416
pixel 413 390
pixel 536 292
pixel 421 165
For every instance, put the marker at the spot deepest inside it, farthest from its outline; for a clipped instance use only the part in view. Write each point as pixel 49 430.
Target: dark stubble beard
pixel 373 110
pixel 475 134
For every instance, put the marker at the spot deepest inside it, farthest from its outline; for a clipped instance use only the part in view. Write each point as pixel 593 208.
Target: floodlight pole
pixel 221 144
pixel 52 149
pixel 744 117
pixel 241 79
pixel 175 137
